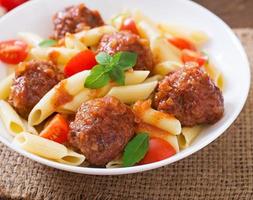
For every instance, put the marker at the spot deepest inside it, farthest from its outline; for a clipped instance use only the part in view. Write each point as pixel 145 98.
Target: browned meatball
pixel 32 81
pixel 126 41
pixel 191 96
pixel 75 19
pixel 101 129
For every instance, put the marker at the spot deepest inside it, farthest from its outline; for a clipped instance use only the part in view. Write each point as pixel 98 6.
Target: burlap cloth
pixel 222 170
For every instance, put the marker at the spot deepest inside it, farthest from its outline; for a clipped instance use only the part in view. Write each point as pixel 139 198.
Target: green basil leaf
pixel 97 78
pixel 136 149
pixel 47 43
pixel 118 75
pixel 103 58
pixel 125 59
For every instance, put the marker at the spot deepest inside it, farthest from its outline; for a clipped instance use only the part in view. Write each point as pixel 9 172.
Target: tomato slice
pixel 182 43
pixel 10 4
pixel 129 25
pixel 56 130
pixel 158 150
pixel 84 60
pixel 13 51
pixel 192 56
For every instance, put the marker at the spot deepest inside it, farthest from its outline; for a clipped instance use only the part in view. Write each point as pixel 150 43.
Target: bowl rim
pixel 176 157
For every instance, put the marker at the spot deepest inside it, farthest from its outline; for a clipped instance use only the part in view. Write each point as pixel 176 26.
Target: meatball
pixel 32 81
pixel 101 129
pixel 127 41
pixel 191 96
pixel 75 19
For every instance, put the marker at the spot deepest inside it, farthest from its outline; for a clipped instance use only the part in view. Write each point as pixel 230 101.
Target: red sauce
pixel 61 96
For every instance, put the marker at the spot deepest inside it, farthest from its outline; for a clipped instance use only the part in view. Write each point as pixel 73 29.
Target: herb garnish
pixel 47 43
pixel 110 68
pixel 136 149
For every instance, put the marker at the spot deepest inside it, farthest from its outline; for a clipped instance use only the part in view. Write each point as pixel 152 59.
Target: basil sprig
pixel 110 68
pixel 47 43
pixel 136 149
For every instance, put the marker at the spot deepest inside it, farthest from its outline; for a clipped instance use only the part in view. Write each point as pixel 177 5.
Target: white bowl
pixel 224 49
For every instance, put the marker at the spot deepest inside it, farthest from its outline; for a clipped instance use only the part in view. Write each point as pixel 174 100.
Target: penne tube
pixel 5 86
pixel 164 51
pixel 78 99
pixel 158 119
pixel 58 55
pixel 72 158
pixel 116 163
pixel 118 20
pixel 92 37
pixel 199 37
pixel 28 128
pixel 154 78
pixel 11 119
pixel 215 75
pixel 135 77
pixel 153 131
pixel 130 94
pixel 46 106
pixel 188 135
pixel 166 67
pixel 31 39
pixel 71 42
pixel 40 146
pixel 148 30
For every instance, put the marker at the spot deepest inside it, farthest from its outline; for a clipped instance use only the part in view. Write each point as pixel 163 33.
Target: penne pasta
pixel 166 67
pixel 40 146
pixel 158 119
pixel 153 78
pixel 58 55
pixel 199 37
pixel 31 39
pixel 72 158
pixel 164 51
pixel 71 42
pixel 28 128
pixel 46 106
pixel 215 75
pixel 116 163
pixel 5 86
pixel 188 135
pixel 159 133
pixel 135 77
pixel 132 93
pixel 92 37
pixel 118 20
pixel 11 119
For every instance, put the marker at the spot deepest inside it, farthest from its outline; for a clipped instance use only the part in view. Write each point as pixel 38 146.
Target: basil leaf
pixel 103 58
pixel 97 78
pixel 118 75
pixel 125 59
pixel 136 149
pixel 47 43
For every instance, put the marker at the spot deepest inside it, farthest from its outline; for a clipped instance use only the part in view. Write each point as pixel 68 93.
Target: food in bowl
pixel 108 94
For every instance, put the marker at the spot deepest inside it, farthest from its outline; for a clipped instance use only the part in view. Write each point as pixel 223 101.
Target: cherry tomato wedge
pixel 129 25
pixel 13 51
pixel 10 4
pixel 182 43
pixel 192 56
pixel 158 150
pixel 56 130
pixel 84 60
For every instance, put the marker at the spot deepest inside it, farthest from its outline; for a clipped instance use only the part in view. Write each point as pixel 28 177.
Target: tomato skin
pixel 13 51
pixel 56 130
pixel 158 150
pixel 10 4
pixel 182 43
pixel 129 25
pixel 191 56
pixel 84 60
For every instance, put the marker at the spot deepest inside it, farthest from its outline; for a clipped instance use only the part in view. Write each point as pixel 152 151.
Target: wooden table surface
pixel 237 13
